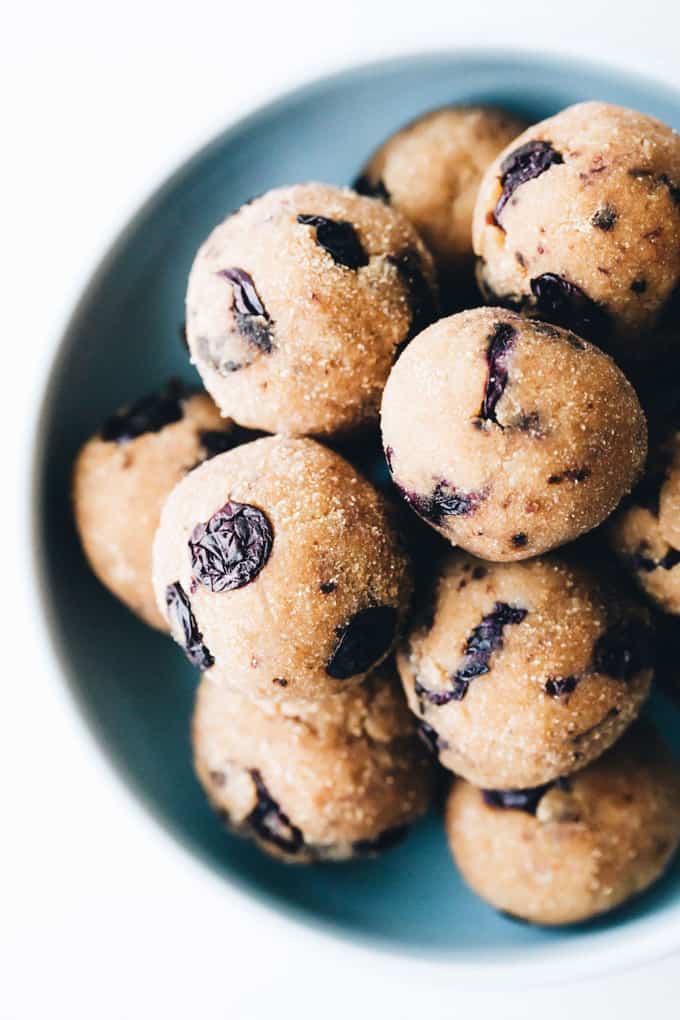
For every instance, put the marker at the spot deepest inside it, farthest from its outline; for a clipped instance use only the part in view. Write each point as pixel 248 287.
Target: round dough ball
pixel 578 847
pixel 278 566
pixel 308 781
pixel 645 534
pixel 298 303
pixel 508 436
pixel 523 672
pixel 578 222
pixel 122 477
pixel 431 169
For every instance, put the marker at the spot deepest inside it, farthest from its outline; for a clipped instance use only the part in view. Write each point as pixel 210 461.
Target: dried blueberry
pixel 362 641
pixel 230 549
pixel 339 238
pixel 326 587
pixel 560 686
pixel 150 414
pixel 624 650
pixel 363 185
pixel 270 823
pixel 484 640
pixel 444 502
pixel 569 475
pixel 501 341
pixel 524 164
pixel 420 295
pixel 565 304
pixel 522 800
pixel 385 841
pixel 519 540
pixel 252 318
pixel 605 218
pixel 639 286
pixel 183 621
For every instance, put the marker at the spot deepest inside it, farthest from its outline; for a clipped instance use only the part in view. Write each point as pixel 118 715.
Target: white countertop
pixel 98 918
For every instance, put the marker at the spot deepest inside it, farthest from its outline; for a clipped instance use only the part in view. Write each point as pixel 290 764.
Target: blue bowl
pixel 133 685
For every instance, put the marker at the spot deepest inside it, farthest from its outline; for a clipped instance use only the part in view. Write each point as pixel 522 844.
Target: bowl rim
pixel 645 940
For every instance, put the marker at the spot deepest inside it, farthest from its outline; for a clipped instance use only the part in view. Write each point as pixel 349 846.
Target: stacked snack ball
pixel 574 848
pixel 298 303
pixel 578 223
pixel 122 477
pixel 277 564
pixel 509 436
pixel 523 672
pixel 645 534
pixel 328 780
pixel 431 169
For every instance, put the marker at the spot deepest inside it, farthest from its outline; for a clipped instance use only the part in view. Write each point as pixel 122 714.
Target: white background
pixel 99 915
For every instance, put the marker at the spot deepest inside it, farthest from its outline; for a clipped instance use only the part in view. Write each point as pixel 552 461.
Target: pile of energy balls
pixel 356 631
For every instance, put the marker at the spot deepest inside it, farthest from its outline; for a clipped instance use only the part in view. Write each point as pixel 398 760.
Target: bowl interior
pixel 134 685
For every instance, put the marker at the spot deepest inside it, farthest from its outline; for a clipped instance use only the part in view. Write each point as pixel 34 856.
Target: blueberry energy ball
pixel 431 170
pixel 278 568
pixel 508 436
pixel 645 534
pixel 329 780
pixel 298 303
pixel 523 672
pixel 576 847
pixel 122 477
pixel 578 222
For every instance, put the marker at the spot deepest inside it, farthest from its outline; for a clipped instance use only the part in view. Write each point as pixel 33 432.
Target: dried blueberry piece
pixel 252 318
pixel 420 295
pixel 270 823
pixel 362 641
pixel 230 549
pixel 363 185
pixel 519 540
pixel 484 640
pixel 624 650
pixel 182 620
pixel 215 442
pixel 326 587
pixel 560 686
pixel 639 286
pixel 150 414
pixel 570 475
pixel 524 164
pixel 385 841
pixel 523 800
pixel 605 218
pixel 444 502
pixel 501 341
pixel 339 238
pixel 565 304
pixel 673 189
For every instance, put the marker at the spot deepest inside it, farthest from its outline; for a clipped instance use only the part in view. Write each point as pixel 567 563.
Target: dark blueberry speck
pixel 270 823
pixel 605 218
pixel 501 341
pixel 362 641
pixel 522 800
pixel 339 238
pixel 184 621
pixel 560 686
pixel 444 502
pixel 230 549
pixel 565 304
pixel 528 161
pixel 385 841
pixel 519 540
pixel 150 414
pixel 638 286
pixel 363 185
pixel 252 318
pixel 569 475
pixel 326 587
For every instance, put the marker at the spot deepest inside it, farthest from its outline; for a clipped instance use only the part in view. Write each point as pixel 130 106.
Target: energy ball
pixel 522 672
pixel 330 780
pixel 578 223
pixel 576 847
pixel 298 303
pixel 509 436
pixel 431 170
pixel 277 565
pixel 646 533
pixel 122 477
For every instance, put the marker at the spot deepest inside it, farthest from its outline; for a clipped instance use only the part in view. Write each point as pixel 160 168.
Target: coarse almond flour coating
pixel 523 672
pixel 578 222
pixel 645 534
pixel 278 569
pixel 510 437
pixel 122 477
pixel 431 169
pixel 577 847
pixel 298 303
pixel 329 780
